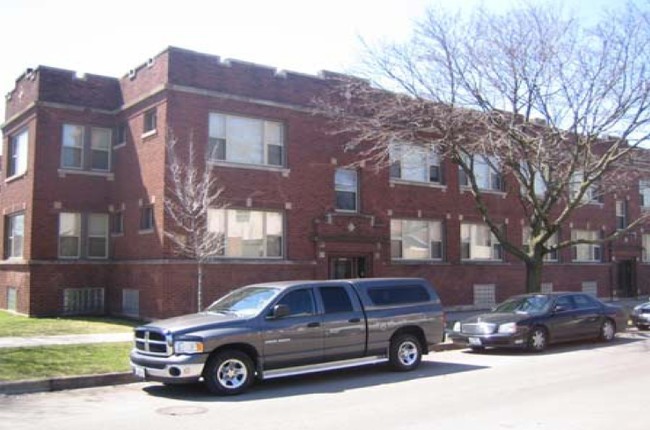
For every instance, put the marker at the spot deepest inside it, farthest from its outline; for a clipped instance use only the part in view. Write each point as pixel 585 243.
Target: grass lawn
pixel 63 360
pixel 18 325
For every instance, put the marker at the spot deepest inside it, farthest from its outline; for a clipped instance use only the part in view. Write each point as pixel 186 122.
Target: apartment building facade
pixel 82 195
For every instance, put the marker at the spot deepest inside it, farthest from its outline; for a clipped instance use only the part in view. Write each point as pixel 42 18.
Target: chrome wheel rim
pixel 232 374
pixel 538 340
pixel 608 330
pixel 407 353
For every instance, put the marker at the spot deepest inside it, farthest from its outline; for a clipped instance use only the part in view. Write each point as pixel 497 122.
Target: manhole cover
pixel 182 410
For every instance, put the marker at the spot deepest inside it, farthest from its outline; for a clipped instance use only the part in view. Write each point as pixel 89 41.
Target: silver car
pixel 641 316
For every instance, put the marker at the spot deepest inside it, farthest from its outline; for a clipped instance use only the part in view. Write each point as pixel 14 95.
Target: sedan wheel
pixel 607 331
pixel 537 340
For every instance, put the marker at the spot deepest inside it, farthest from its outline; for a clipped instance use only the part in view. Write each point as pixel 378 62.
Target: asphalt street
pixel 574 386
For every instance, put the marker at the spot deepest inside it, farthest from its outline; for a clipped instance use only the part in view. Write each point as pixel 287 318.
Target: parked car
pixel 532 321
pixel 279 329
pixel 641 316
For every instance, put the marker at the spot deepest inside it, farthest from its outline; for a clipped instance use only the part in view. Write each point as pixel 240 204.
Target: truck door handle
pixel 313 324
pixel 354 320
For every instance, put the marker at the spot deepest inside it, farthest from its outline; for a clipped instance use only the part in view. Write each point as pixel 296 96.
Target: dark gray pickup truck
pixel 279 329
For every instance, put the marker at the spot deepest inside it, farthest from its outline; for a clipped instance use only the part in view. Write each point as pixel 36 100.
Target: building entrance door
pixel 626 278
pixel 348 267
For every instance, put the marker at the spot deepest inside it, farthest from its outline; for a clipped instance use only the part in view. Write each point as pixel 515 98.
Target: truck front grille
pixel 152 342
pixel 478 328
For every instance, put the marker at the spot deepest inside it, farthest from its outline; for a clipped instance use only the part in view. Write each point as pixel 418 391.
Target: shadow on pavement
pixel 326 382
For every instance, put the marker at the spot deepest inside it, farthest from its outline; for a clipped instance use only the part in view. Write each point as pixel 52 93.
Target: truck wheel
pixel 228 373
pixel 405 353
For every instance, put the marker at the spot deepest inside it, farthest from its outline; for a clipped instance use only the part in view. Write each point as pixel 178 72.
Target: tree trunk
pixel 534 275
pixel 199 286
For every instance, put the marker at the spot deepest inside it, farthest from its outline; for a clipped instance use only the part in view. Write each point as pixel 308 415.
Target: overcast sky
pixel 111 37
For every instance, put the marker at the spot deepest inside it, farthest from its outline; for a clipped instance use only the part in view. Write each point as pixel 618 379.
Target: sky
pixel 111 37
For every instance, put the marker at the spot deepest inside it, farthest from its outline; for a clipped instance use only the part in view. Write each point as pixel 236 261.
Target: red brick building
pixel 83 184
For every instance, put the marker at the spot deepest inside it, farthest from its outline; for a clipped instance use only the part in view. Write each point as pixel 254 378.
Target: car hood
pixel 496 318
pixel 194 322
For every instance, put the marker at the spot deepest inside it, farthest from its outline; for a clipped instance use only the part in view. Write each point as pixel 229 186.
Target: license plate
pixel 474 341
pixel 140 372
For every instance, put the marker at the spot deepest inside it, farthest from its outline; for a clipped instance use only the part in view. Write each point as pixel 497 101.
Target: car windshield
pixel 527 304
pixel 244 302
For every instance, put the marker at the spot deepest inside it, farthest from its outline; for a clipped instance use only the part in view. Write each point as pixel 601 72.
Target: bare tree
pixel 192 190
pixel 557 106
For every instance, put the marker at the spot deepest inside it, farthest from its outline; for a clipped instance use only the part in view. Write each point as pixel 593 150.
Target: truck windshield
pixel 244 302
pixel 527 305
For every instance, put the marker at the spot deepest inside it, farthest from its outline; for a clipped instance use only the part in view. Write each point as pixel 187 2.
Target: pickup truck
pixel 271 330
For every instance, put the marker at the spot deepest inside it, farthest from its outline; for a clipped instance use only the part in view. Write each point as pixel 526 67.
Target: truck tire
pixel 228 373
pixel 405 353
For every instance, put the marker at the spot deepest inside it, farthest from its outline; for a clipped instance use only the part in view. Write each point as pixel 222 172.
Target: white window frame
pixel 621 214
pixel 644 193
pixel 91 236
pixel 590 196
pixel 15 235
pixel 72 145
pixel 466 236
pixel 340 186
pixel 220 134
pixel 406 158
pixel 551 257
pixel 593 251
pixel 487 177
pixel 218 223
pixel 77 230
pixel 147 222
pixel 434 237
pixel 17 156
pixel 94 148
pixel 149 122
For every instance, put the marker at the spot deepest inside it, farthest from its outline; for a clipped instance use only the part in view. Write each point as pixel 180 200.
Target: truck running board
pixel 323 367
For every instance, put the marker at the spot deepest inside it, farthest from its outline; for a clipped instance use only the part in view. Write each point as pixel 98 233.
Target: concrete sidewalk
pixel 68 339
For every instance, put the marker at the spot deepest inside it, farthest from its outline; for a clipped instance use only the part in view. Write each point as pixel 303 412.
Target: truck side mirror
pixel 280 311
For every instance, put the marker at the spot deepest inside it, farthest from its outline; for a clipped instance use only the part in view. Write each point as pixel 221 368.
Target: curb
pixel 87 381
pixel 66 383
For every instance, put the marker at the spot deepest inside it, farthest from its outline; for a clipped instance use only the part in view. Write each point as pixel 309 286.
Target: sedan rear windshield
pixel 527 305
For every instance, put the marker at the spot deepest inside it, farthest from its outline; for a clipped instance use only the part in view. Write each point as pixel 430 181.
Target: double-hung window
pixel 416 239
pixel 346 185
pixel 415 163
pixel 97 236
pixel 591 195
pixel 86 148
pixel 248 233
pixel 644 192
pixel 83 235
pixel 14 235
pixel 479 243
pixel 17 156
pixel 485 173
pixel 621 214
pixel 552 241
pixel 586 252
pixel 69 235
pixel 244 140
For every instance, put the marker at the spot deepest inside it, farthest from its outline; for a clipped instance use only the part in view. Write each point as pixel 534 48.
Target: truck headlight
pixel 188 347
pixel 508 328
